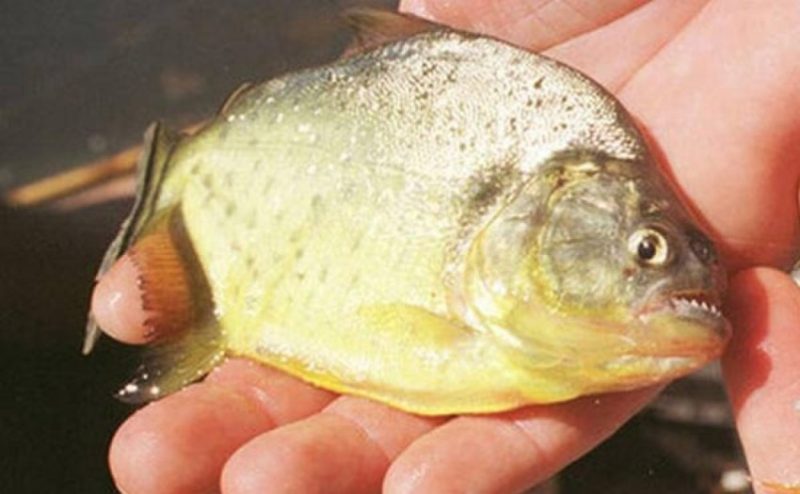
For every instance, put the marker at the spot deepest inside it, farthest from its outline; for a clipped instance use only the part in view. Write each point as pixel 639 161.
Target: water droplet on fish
pixel 303 128
pixel 279 118
pixel 275 85
pixel 499 287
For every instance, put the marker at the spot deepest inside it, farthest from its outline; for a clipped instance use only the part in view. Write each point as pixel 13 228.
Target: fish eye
pixel 703 250
pixel 650 247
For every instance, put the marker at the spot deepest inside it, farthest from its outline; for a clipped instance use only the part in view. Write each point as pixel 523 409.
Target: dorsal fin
pixel 373 27
pixel 234 97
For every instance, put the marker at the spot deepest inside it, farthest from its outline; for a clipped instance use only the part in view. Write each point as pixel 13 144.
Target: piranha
pixel 438 221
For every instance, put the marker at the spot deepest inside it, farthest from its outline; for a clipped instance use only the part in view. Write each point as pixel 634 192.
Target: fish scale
pixel 389 225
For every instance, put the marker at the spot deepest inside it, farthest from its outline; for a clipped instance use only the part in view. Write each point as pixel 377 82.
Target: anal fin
pixel 175 291
pixel 169 366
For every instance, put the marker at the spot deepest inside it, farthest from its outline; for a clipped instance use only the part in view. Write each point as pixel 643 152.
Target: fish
pixel 439 221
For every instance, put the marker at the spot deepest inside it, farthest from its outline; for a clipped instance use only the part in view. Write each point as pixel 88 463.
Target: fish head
pixel 602 270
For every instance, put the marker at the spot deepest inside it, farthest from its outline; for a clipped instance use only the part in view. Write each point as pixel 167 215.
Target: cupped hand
pixel 714 83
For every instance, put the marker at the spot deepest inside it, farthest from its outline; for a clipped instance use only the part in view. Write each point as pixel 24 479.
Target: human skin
pixel 714 84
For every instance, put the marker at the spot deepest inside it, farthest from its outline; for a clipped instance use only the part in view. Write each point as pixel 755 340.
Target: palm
pixel 714 84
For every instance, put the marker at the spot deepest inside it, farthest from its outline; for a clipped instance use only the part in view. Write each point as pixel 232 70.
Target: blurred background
pixel 79 82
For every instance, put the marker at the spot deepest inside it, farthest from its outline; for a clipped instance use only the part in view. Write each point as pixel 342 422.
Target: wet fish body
pixel 428 224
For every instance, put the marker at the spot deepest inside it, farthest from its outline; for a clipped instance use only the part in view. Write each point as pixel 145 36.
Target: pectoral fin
pixel 428 364
pixel 434 365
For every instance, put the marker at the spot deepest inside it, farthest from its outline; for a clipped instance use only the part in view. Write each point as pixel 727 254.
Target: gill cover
pixel 501 274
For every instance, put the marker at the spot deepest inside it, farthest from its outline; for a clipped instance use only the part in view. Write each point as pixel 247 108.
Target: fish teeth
pixel 698 304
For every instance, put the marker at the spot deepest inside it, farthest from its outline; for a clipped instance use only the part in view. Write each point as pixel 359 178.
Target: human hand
pixel 714 84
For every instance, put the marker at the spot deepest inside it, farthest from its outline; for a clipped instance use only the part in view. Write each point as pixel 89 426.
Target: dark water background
pixel 82 79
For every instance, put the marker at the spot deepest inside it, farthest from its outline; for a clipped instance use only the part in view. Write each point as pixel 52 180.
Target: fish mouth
pixel 690 322
pixel 695 305
pixel 688 304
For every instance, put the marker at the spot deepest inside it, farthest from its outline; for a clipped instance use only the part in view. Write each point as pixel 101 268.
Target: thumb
pixel 762 371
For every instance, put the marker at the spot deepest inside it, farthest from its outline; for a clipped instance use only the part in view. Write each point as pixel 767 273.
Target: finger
pixel 117 304
pixel 180 443
pixel 682 94
pixel 762 371
pixel 537 24
pixel 147 294
pixel 644 31
pixel 345 449
pixel 594 47
pixel 512 451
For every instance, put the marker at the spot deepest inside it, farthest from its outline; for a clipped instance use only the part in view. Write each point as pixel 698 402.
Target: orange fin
pixel 188 342
pixel 164 283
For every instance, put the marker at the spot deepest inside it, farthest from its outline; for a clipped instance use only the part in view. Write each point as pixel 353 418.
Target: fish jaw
pixel 672 335
pixel 660 345
pixel 688 323
pixel 617 349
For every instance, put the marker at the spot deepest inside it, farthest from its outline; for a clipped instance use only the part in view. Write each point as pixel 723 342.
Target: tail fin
pixel 158 144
